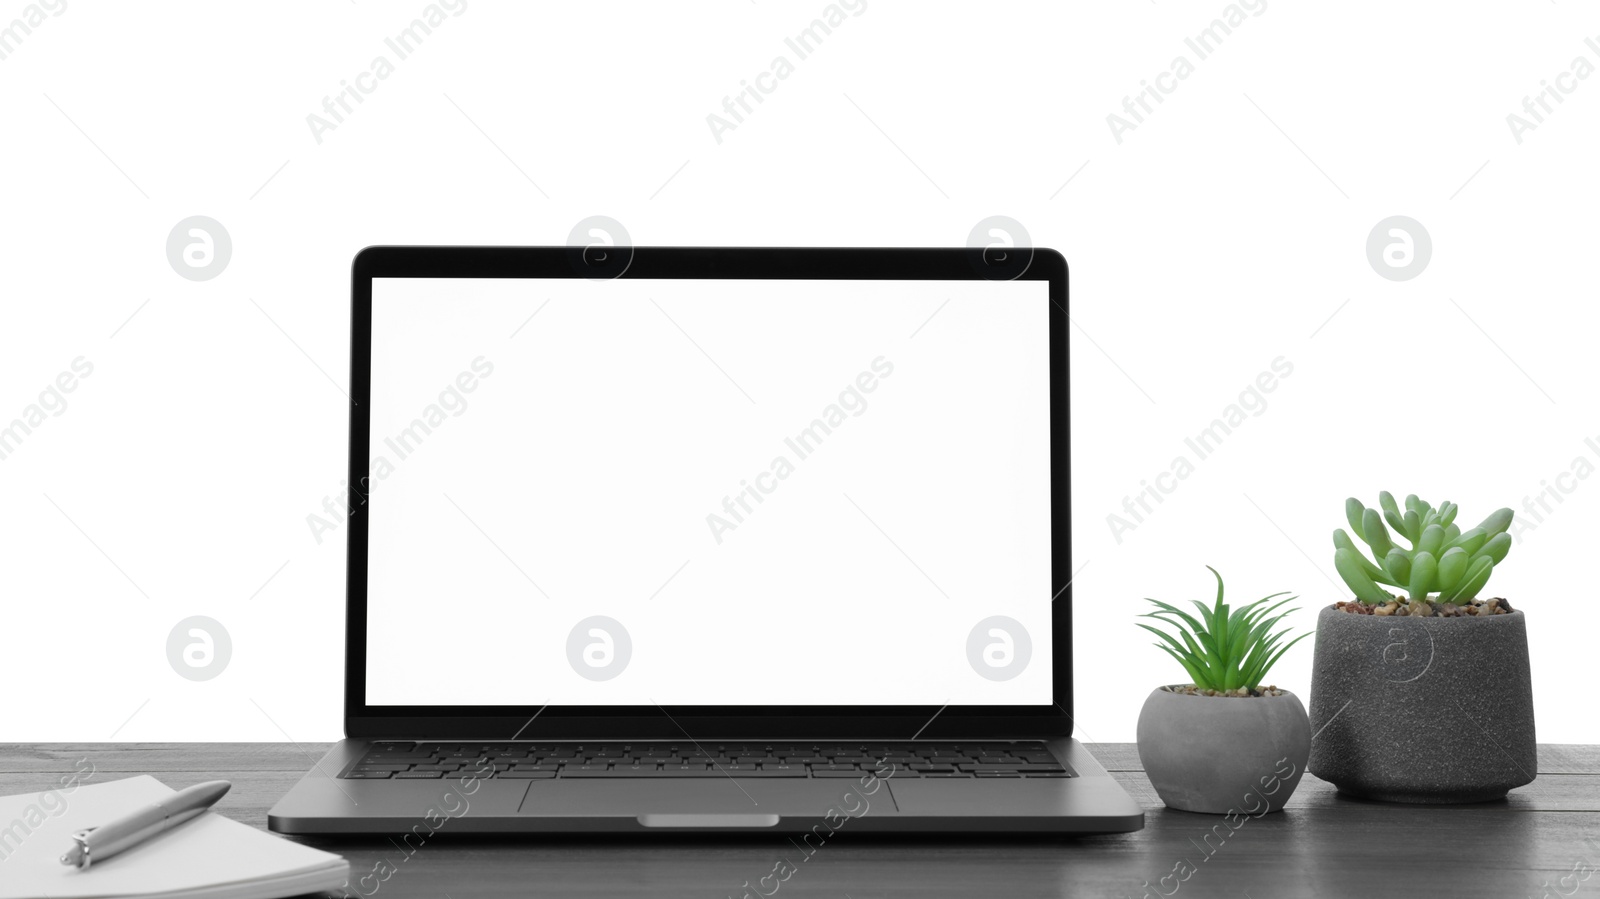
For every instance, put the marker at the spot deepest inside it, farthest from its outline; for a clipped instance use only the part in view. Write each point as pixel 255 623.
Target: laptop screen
pixel 709 492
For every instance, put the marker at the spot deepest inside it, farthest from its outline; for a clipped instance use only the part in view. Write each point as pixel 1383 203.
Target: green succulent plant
pixel 1442 559
pixel 1224 649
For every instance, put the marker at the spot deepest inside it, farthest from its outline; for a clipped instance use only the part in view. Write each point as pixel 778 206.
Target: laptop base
pixel 324 803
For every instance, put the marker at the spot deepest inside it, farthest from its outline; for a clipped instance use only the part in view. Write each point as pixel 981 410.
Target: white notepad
pixel 211 857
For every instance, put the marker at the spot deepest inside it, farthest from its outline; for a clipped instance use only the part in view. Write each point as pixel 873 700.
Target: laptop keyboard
pixel 543 761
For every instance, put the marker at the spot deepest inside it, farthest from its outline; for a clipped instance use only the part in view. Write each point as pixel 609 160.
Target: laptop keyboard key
pixel 530 761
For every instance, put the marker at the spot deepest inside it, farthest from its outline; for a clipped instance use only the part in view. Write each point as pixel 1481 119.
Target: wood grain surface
pixel 1322 845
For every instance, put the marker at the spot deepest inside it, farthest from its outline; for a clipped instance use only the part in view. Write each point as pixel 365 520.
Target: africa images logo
pixel 851 403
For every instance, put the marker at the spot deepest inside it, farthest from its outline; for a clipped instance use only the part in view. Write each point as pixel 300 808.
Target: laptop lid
pixel 708 493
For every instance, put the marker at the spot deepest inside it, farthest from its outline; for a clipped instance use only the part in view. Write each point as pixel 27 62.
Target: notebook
pixel 210 857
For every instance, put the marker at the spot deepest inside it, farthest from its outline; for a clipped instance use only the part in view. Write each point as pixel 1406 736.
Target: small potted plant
pixel 1423 697
pixel 1224 744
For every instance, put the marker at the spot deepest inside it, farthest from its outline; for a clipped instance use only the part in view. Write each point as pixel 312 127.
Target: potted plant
pixel 1426 696
pixel 1223 744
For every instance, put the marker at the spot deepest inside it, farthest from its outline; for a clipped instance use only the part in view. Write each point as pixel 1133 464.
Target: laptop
pixel 669 539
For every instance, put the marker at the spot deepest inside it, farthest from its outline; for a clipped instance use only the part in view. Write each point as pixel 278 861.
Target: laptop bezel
pixel 699 722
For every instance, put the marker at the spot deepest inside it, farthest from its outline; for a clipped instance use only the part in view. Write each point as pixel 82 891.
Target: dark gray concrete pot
pixel 1427 710
pixel 1221 754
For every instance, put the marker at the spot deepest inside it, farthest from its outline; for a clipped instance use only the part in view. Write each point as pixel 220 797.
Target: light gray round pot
pixel 1222 754
pixel 1427 710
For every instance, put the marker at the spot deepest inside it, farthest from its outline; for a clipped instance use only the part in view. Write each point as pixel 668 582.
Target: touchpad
pixel 696 802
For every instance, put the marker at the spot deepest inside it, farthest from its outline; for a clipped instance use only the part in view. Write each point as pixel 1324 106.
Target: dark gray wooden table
pixel 1322 845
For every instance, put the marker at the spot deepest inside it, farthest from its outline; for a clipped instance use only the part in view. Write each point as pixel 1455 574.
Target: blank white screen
pixel 576 437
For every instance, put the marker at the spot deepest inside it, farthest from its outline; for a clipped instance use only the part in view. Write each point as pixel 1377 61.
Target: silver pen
pixel 100 843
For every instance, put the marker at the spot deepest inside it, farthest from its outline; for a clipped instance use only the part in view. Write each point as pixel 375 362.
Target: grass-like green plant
pixel 1442 559
pixel 1224 649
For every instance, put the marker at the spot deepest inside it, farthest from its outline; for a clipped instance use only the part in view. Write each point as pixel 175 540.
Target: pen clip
pixel 82 839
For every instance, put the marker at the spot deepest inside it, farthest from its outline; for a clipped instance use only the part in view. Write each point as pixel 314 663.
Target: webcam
pixel 599 248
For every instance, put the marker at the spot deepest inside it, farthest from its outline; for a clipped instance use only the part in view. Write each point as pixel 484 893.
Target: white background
pixel 577 480
pixel 1227 230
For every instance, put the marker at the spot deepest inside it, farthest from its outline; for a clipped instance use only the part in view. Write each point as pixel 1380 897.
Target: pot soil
pixel 1222 754
pixel 1422 708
